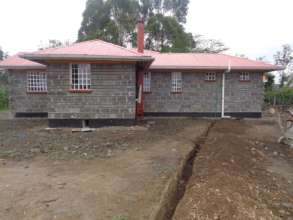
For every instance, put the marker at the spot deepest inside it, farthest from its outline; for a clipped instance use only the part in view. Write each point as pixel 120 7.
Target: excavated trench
pixel 175 188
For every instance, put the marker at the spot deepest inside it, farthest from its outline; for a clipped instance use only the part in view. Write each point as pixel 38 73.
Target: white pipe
pixel 223 91
pixel 223 95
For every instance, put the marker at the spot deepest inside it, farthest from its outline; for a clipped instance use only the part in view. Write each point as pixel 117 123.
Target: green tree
pixel 53 43
pixel 270 81
pixel 285 59
pixel 112 20
pixel 115 21
pixel 165 34
pixel 1 54
pixel 202 45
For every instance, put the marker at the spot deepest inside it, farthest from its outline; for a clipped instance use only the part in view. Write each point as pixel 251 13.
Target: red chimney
pixel 140 35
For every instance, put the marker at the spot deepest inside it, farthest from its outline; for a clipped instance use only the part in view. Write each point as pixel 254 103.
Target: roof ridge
pixel 63 46
pixel 246 58
pixel 88 41
pixel 118 46
pixel 192 53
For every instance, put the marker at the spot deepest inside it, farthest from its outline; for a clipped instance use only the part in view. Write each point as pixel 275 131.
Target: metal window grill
pixel 147 82
pixel 36 82
pixel 210 76
pixel 80 76
pixel 176 82
pixel 244 76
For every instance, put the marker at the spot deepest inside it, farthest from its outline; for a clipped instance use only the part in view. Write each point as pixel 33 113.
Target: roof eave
pixel 64 57
pixel 11 67
pixel 242 68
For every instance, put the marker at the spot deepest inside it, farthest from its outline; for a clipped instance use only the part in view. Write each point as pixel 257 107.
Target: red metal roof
pixel 146 52
pixel 93 49
pixel 101 50
pixel 204 61
pixel 16 62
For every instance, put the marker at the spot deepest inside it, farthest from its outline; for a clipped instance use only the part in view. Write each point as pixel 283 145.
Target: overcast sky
pixel 251 27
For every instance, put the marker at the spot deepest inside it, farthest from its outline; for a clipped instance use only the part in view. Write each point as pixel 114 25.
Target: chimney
pixel 140 35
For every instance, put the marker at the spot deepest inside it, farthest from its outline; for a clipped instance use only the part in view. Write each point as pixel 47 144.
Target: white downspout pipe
pixel 223 91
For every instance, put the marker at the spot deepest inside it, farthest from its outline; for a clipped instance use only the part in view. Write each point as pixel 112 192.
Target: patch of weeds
pixel 120 217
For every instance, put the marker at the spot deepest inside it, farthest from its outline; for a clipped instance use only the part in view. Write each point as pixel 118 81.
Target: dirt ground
pixel 241 172
pixel 106 174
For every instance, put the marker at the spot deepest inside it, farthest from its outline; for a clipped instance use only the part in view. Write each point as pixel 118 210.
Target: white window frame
pixel 211 76
pixel 83 76
pixel 36 82
pixel 244 76
pixel 176 82
pixel 147 82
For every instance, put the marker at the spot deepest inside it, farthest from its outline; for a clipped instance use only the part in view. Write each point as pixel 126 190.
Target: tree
pixel 202 45
pixel 53 44
pixel 1 54
pixel 165 34
pixel 270 81
pixel 112 20
pixel 115 21
pixel 285 59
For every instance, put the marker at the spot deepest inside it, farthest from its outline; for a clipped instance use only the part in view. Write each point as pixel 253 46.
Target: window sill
pixel 176 92
pixel 37 93
pixel 210 81
pixel 147 92
pixel 244 81
pixel 81 91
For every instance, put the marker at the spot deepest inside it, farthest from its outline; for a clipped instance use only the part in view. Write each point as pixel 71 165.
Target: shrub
pixel 120 217
pixel 3 99
pixel 283 96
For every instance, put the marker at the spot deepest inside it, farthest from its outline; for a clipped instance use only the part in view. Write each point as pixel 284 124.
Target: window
pixel 244 76
pixel 80 77
pixel 147 82
pixel 36 82
pixel 210 76
pixel 176 82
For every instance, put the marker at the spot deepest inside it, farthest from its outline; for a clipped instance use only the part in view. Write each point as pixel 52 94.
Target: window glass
pixel 36 82
pixel 80 76
pixel 147 82
pixel 210 76
pixel 244 76
pixel 176 82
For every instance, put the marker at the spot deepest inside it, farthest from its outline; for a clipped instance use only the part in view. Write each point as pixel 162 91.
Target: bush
pixel 120 217
pixel 283 96
pixel 3 99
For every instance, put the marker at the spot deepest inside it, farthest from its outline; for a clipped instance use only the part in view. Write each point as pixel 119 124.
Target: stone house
pixel 94 82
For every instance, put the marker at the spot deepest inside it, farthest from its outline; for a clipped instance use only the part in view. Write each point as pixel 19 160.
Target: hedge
pixel 283 96
pixel 3 99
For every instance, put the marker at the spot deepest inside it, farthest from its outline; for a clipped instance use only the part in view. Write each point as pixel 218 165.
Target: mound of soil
pixel 231 177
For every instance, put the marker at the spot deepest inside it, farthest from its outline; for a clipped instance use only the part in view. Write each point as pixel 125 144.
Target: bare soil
pixel 241 172
pixel 111 172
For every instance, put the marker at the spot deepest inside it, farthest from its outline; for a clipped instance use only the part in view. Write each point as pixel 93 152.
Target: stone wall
pixel 244 96
pixel 200 96
pixel 19 100
pixel 112 96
